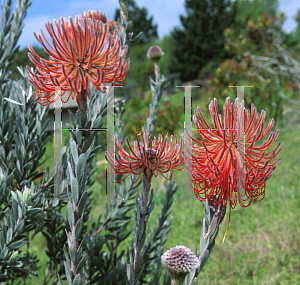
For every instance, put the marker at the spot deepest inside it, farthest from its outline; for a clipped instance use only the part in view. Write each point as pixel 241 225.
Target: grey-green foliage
pixel 157 88
pixel 153 248
pixel 22 144
pixel 214 215
pixel 10 31
pixel 23 129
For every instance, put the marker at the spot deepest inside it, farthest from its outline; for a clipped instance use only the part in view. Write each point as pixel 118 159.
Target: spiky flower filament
pixel 82 51
pixel 153 156
pixel 226 160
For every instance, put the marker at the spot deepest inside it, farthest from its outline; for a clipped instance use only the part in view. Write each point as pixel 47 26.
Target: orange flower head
pixel 150 155
pixel 98 15
pixel 226 162
pixel 81 51
pixel 102 18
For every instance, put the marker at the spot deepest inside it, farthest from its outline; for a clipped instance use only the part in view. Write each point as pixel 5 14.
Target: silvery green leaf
pixel 67 256
pixel 75 190
pixel 192 274
pixel 21 71
pixel 30 146
pixel 137 38
pixel 74 151
pixel 16 245
pixel 77 280
pixel 81 165
pixel 70 215
pixel 9 235
pixel 70 171
pixel 128 271
pixel 68 273
pixel 72 253
pixel 151 208
pixel 206 254
pixel 69 236
pixel 129 27
pixel 72 117
pixel 203 242
pixel 97 122
pixel 81 203
pixel 20 226
pixel 78 228
pixel 79 116
pixel 28 165
pixel 79 135
pixel 81 263
pixel 82 242
pixel 33 212
pixel 12 101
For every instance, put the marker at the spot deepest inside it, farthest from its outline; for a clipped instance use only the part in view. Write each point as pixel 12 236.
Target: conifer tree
pixel 201 40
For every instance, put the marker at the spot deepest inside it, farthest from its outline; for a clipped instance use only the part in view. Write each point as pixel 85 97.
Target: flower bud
pixel 179 261
pixel 26 195
pixel 155 53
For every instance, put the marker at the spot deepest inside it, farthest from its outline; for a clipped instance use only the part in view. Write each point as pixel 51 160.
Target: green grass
pixel 262 245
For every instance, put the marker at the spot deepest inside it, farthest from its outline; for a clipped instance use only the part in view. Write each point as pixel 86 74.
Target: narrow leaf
pixel 81 263
pixel 81 165
pixel 74 151
pixel 70 215
pixel 13 101
pixel 16 245
pixel 75 190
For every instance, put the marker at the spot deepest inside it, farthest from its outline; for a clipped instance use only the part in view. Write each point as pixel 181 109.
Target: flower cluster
pixel 82 50
pixel 149 155
pixel 226 160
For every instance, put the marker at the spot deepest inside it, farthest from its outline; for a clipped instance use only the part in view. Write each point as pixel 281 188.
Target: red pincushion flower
pixel 156 156
pixel 226 160
pixel 98 15
pixel 102 18
pixel 81 51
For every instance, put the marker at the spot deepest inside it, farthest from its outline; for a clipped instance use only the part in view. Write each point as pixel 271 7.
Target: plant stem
pixel 177 282
pixel 83 103
pixel 140 237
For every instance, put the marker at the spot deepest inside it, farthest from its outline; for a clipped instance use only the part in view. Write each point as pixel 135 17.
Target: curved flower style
pixel 81 51
pixel 152 156
pixel 100 17
pixel 225 161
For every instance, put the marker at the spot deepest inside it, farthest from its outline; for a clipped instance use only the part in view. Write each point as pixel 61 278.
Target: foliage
pixel 253 11
pixel 140 21
pixel 201 39
pixel 11 28
pixel 21 59
pixel 262 58
pixel 169 119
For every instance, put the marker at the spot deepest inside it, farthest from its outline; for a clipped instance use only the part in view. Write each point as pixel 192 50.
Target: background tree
pixel 140 20
pixel 201 40
pixel 253 11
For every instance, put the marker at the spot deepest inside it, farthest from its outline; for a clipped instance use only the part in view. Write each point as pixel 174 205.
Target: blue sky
pixel 165 13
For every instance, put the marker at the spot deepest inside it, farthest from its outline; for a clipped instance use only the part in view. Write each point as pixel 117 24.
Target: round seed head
pixel 155 53
pixel 179 260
